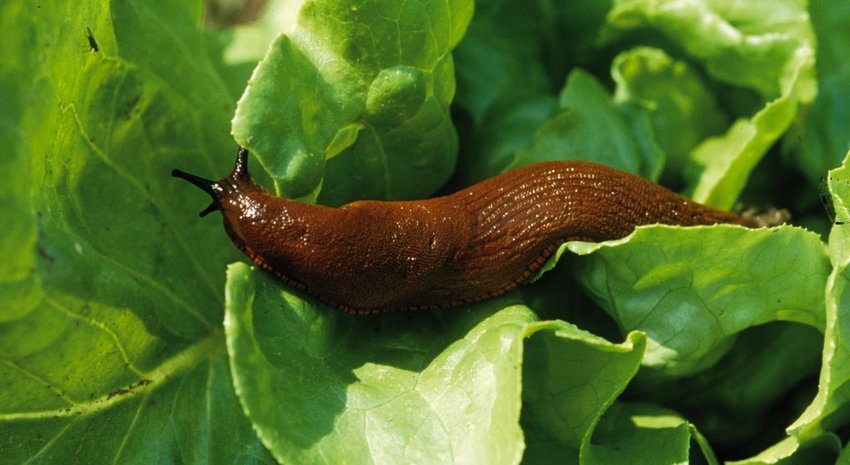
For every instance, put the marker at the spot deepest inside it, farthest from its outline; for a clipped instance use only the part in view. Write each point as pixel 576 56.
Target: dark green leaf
pixel 110 322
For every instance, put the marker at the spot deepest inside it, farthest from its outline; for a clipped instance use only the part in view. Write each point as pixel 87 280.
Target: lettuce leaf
pixel 126 338
pixel 391 390
pixel 769 50
pixel 588 127
pixel 427 388
pixel 689 293
pixel 348 91
pixel 110 328
pixel 825 134
pixel 829 406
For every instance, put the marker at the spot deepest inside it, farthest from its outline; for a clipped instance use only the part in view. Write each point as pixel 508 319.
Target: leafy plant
pixel 127 338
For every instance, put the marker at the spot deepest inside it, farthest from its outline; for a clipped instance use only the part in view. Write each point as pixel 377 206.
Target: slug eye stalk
pixel 204 184
pixel 215 189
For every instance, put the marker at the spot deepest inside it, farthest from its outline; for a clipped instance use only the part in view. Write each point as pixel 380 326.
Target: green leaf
pixel 735 401
pixel 689 291
pixel 844 457
pixel 503 86
pixel 322 387
pixel 725 162
pixel 113 408
pixel 830 19
pixel 635 433
pixel 20 288
pixel 589 127
pixel 789 451
pixel 681 109
pixel 570 377
pixel 826 134
pixel 752 45
pixel 111 290
pixel 111 341
pixel 765 47
pixel 830 407
pixel 250 41
pixel 357 88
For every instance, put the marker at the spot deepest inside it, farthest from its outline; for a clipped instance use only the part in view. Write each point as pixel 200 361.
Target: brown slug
pixel 372 256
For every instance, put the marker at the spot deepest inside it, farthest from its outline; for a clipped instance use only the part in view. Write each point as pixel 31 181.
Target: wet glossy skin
pixel 477 243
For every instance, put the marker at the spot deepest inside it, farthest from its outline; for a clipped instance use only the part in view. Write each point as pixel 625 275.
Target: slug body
pixel 372 256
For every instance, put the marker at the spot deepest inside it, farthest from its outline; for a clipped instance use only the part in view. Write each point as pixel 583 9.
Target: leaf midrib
pixel 168 370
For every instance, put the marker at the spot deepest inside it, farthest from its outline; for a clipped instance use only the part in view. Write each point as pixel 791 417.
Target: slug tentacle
pixel 238 180
pixel 480 242
pixel 206 185
pixel 240 169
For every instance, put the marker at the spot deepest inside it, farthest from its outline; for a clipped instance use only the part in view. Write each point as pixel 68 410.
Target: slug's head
pixel 227 190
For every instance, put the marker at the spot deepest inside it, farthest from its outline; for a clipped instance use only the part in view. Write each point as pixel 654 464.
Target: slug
pixel 373 256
